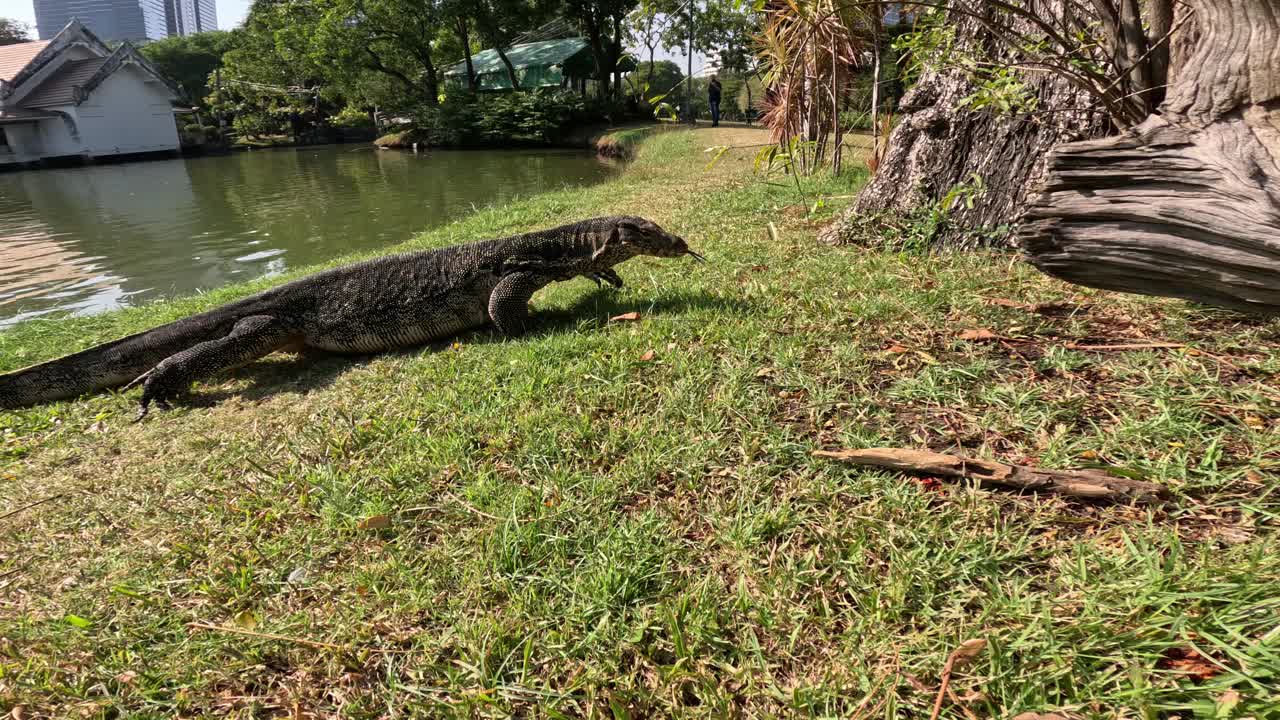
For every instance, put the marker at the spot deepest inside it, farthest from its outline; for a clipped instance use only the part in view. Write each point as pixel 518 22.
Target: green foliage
pixel 1000 90
pixel 655 87
pixel 747 97
pixel 196 134
pixel 13 32
pixel 522 118
pixel 652 80
pixel 604 21
pixel 351 117
pixel 932 46
pixel 917 231
pixel 190 60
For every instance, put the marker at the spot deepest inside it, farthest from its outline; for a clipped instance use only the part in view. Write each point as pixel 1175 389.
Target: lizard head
pixel 644 237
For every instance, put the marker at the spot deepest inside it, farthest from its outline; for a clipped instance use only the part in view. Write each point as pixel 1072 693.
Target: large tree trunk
pixel 937 145
pixel 511 70
pixel 1187 204
pixel 463 29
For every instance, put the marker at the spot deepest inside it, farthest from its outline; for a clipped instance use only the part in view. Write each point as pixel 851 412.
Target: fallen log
pixel 1186 204
pixel 1090 484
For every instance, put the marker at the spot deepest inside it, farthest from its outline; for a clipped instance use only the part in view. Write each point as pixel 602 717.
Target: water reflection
pixel 89 239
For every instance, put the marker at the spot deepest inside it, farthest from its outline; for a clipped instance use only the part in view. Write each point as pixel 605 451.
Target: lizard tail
pixel 107 365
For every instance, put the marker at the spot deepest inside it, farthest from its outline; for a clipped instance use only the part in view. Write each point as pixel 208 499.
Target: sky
pixel 231 12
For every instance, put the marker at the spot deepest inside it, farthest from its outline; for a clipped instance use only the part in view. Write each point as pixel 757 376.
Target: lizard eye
pixel 628 231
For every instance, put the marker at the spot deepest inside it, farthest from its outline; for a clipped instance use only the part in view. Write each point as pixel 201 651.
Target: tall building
pixel 136 20
pixel 187 17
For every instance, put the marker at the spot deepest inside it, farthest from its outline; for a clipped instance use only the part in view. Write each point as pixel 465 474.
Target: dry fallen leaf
pixel 979 335
pixel 897 349
pixel 126 677
pixel 1053 308
pixel 917 684
pixel 1233 534
pixel 625 317
pixel 98 427
pixel 375 522
pixel 648 356
pixel 1227 702
pixel 1189 662
pixel 245 620
pixel 970 649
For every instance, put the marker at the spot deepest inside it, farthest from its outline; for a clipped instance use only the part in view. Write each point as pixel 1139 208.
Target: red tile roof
pixel 15 57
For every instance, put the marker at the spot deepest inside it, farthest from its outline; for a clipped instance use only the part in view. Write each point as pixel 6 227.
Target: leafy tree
pixel 499 22
pixel 644 28
pixel 602 20
pixel 189 60
pixel 270 80
pixel 457 15
pixel 726 27
pixel 13 32
pixel 658 77
pixel 395 38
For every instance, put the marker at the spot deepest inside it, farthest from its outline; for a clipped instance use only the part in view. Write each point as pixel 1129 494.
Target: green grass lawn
pixel 624 519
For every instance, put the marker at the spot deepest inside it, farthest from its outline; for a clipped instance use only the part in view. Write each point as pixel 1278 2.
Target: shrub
pixel 351 117
pixel 540 117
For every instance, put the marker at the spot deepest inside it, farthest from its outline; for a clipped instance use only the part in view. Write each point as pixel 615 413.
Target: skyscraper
pixel 136 20
pixel 186 17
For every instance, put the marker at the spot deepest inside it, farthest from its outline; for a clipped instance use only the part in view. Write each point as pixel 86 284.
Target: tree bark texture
pixel 1186 204
pixel 937 144
pixel 462 26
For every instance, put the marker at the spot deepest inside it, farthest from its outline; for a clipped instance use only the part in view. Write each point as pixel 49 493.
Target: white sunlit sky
pixel 232 12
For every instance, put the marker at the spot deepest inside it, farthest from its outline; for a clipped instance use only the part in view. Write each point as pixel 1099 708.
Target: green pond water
pixel 88 239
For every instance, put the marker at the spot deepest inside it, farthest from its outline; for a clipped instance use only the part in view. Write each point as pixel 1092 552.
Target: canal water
pixel 88 239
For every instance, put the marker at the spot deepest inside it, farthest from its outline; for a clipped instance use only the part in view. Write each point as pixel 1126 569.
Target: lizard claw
pixel 144 408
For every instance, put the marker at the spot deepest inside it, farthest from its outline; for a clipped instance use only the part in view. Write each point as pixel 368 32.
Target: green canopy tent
pixel 565 62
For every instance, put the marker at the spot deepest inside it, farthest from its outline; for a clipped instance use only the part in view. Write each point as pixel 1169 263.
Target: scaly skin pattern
pixel 387 303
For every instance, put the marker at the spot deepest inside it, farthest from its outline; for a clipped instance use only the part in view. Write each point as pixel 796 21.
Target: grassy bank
pixel 623 519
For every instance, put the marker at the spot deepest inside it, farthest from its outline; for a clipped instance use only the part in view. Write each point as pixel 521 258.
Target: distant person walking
pixel 713 98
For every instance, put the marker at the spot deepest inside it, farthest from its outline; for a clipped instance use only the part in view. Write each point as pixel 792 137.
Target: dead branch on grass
pixel 1090 484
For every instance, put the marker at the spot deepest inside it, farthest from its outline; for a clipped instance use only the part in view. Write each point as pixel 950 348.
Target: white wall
pixel 127 114
pixel 24 143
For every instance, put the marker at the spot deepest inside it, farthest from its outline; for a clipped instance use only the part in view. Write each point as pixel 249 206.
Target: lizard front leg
pixel 250 339
pixel 509 301
pixel 609 276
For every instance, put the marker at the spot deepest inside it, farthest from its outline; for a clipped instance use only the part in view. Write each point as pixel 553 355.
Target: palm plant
pixel 809 50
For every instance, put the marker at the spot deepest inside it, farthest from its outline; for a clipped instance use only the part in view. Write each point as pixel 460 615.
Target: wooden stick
pixel 1127 346
pixel 1091 484
pixel 30 505
pixel 967 651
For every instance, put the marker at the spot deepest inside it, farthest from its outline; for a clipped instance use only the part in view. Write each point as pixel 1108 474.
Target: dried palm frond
pixel 809 49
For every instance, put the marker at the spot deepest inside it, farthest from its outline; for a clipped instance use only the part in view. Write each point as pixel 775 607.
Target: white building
pixel 73 97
